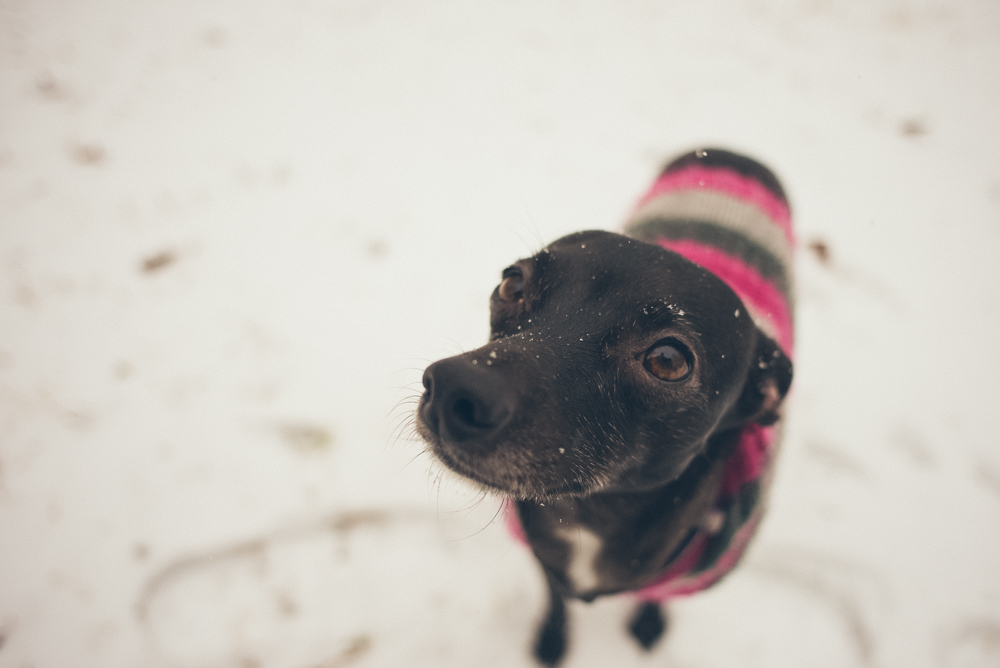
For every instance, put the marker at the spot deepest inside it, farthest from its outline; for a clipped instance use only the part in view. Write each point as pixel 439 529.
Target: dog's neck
pixel 615 541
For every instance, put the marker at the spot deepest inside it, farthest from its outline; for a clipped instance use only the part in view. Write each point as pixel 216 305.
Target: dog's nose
pixel 464 402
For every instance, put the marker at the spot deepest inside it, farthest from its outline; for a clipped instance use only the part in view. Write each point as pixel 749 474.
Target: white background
pixel 232 234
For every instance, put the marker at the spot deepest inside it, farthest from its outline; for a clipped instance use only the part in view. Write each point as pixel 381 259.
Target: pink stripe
pixel 746 464
pixel 748 461
pixel 755 290
pixel 665 585
pixel 729 182
pixel 682 586
pixel 513 522
pixel 692 584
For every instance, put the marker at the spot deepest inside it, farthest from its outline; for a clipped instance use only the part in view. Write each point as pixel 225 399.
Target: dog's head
pixel 611 363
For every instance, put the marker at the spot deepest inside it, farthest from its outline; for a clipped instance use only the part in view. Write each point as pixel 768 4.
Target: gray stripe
pixel 716 236
pixel 723 210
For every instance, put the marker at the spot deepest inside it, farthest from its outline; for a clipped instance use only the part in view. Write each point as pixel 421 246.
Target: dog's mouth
pixel 502 474
pixel 522 489
pixel 465 470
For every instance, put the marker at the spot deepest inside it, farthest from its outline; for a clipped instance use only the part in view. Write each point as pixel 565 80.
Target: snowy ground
pixel 233 233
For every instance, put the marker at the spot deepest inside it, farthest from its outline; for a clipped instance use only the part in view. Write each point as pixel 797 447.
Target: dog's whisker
pixel 402 410
pixel 405 429
pixel 532 250
pixel 408 434
pixel 402 415
pixel 404 401
pixel 415 458
pixel 481 529
pixel 456 345
pixel 481 495
pixel 405 397
pixel 404 405
pixel 409 387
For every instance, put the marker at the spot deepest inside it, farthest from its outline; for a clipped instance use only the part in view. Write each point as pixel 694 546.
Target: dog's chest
pixel 608 542
pixel 583 548
pixel 566 546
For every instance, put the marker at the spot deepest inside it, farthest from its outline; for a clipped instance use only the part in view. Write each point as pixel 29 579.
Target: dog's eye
pixel 512 286
pixel 667 361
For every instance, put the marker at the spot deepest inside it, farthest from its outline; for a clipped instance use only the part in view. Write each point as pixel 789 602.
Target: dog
pixel 626 405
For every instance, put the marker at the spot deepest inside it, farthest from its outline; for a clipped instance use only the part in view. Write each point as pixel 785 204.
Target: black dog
pixel 624 396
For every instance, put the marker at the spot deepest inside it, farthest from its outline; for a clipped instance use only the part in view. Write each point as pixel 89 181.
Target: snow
pixel 232 235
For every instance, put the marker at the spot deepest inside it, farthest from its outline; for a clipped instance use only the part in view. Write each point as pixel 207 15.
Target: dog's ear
pixel 768 379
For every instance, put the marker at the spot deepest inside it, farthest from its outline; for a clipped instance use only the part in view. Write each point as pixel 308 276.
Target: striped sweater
pixel 728 214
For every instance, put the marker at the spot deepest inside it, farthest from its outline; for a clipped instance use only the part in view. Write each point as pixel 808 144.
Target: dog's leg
pixel 551 643
pixel 648 624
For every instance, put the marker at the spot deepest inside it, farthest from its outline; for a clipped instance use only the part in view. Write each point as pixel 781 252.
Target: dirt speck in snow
pixel 988 476
pixel 158 261
pixel 821 250
pixel 913 128
pixel 306 437
pixel 993 191
pixel 912 446
pixel 88 154
pixel 50 88
pixel 833 458
pixel 122 370
pixel 140 552
pixel 286 605
pixel 974 637
pixel 215 37
pixel 357 648
pixel 377 249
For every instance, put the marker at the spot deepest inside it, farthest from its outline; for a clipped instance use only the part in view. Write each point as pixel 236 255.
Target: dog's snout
pixel 463 402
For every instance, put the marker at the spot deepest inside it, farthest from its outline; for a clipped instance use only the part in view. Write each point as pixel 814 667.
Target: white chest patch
pixel 584 546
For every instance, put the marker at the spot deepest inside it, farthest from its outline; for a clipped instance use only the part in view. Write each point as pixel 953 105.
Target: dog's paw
pixel 551 644
pixel 647 625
